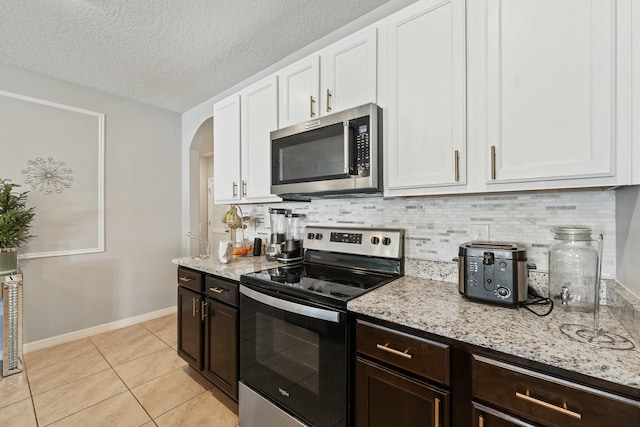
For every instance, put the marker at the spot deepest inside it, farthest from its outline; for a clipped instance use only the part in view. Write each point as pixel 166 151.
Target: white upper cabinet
pixel 242 125
pixel 259 116
pixel 300 91
pixel 635 83
pixel 546 75
pixel 425 148
pixel 226 150
pixel 348 70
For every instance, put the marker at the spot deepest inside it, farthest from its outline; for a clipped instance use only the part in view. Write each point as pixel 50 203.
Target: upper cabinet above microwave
pixel 339 77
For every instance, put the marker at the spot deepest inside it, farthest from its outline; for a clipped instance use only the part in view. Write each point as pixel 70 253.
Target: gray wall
pixel 134 275
pixel 628 237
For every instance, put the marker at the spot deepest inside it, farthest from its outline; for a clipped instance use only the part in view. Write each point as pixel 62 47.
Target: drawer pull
pixel 480 421
pixel 436 412
pixel 185 279
pixel 217 290
pixel 388 349
pixel 549 405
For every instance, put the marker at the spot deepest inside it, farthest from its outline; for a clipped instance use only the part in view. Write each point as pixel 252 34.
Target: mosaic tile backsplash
pixel 436 226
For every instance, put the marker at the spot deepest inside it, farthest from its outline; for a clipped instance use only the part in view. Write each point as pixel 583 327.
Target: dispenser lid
pixel 572 232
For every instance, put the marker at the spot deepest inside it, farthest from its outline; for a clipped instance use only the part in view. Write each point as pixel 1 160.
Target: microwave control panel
pixel 362 145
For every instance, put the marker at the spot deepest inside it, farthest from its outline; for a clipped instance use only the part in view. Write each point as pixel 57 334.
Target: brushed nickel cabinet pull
pixel 244 188
pixel 493 162
pixel 388 349
pixel 235 189
pixel 311 102
pixel 185 279
pixel 456 157
pixel 480 421
pixel 203 312
pixel 436 415
pixel 217 290
pixel 547 405
pixel 328 100
pixel 193 307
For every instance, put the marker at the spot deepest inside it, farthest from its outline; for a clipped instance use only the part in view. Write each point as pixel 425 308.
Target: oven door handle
pixel 292 307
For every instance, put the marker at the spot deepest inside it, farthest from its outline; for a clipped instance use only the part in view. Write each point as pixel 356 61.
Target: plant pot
pixel 8 260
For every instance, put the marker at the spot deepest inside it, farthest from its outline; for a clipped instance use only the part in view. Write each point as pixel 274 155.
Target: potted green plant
pixel 15 222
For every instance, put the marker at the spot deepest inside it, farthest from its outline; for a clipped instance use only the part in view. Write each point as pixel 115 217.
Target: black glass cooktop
pixel 332 285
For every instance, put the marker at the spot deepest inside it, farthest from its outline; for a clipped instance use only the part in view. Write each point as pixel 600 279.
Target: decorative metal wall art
pixel 48 175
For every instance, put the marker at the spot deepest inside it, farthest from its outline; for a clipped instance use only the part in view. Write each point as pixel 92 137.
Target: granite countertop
pixel 235 268
pixel 438 308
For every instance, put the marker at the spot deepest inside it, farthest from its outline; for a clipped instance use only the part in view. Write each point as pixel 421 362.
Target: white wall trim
pixel 83 333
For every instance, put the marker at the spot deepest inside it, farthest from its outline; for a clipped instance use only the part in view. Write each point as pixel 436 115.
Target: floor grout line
pixel 121 342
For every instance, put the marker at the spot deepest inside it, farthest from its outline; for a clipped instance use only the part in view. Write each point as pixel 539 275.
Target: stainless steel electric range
pixel 294 356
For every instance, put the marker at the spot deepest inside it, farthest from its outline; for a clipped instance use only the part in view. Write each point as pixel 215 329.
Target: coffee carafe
pixel 277 219
pixel 294 236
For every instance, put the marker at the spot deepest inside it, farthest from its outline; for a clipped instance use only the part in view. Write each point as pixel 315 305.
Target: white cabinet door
pixel 259 116
pixel 226 150
pixel 425 146
pixel 550 81
pixel 635 84
pixel 300 91
pixel 349 75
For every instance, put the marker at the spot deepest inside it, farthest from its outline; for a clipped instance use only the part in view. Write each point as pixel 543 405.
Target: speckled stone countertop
pixel 235 268
pixel 437 307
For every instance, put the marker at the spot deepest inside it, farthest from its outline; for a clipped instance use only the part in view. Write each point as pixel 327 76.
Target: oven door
pixel 295 354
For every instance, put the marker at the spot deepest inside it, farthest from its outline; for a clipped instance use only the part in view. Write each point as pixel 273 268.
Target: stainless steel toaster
pixel 493 272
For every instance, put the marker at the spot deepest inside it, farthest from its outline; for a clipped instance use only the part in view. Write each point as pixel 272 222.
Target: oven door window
pixel 296 360
pixel 316 155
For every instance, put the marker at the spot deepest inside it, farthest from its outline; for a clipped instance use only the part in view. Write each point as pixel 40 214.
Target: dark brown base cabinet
pixel 221 347
pixel 189 327
pixel 392 373
pixel 406 377
pixel 208 327
pixel 387 398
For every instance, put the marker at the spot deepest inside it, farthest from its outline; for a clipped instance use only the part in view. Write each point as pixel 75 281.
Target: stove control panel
pixel 380 242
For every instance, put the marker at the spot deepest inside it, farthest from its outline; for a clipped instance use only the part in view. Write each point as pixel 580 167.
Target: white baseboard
pixel 83 333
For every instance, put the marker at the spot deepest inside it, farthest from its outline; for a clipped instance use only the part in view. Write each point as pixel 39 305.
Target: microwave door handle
pixel 347 143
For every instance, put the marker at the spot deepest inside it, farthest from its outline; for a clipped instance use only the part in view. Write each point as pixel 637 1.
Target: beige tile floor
pixel 126 377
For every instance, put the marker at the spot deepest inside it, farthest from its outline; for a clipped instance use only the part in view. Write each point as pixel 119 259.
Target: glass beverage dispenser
pixel 574 269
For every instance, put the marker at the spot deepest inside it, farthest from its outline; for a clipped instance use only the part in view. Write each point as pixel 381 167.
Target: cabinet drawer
pixel 547 400
pixel 190 279
pixel 222 290
pixel 426 358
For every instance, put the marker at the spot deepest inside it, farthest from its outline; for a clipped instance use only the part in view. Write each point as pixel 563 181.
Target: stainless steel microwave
pixel 339 154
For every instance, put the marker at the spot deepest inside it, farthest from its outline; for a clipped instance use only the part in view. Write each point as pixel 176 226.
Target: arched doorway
pixel 200 179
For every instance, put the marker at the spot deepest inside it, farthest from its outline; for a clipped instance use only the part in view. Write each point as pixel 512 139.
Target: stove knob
pixel 310 236
pixel 386 241
pixel 318 236
pixel 375 240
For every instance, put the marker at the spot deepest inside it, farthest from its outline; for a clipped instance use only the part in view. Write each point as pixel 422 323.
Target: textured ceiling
pixel 173 54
